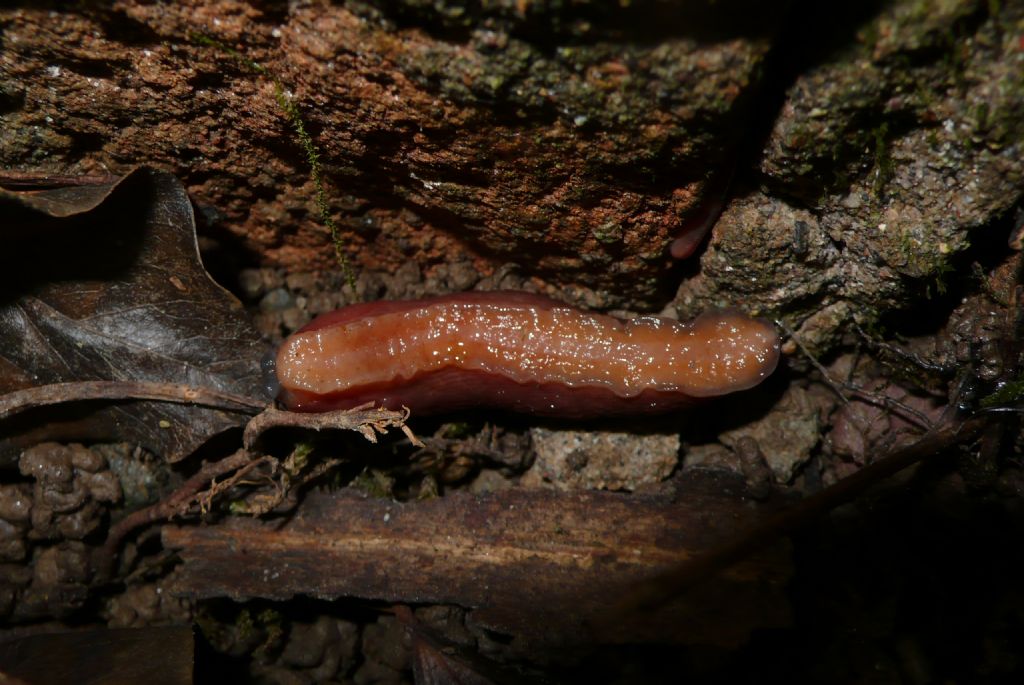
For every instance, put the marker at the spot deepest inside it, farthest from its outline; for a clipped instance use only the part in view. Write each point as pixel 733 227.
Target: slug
pixel 518 352
pixel 691 233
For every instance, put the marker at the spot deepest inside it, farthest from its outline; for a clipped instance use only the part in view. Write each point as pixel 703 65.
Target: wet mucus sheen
pixel 519 352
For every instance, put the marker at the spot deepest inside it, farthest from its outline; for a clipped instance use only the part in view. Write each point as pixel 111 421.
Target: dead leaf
pixel 103 281
pixel 437 661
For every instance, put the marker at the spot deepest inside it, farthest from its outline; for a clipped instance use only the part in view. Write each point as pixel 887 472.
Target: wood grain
pixel 539 564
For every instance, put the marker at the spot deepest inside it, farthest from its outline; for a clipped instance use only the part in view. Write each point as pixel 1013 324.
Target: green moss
pixel 923 259
pixel 981 118
pixel 241 628
pixel 955 58
pixel 211 629
pixel 941 273
pixel 375 483
pixel 309 148
pixel 457 430
pixel 298 459
pixel 995 8
pixel 869 36
pixel 1007 394
pixel 244 625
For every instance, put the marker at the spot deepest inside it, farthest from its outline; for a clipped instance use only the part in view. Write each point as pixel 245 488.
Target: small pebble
pixel 251 283
pixel 305 281
pixel 294 318
pixel 276 300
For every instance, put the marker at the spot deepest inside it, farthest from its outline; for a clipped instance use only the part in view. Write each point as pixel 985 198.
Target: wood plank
pixel 539 564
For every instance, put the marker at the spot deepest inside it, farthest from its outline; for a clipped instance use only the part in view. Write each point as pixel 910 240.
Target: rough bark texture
pixel 575 141
pixel 539 564
pixel 887 160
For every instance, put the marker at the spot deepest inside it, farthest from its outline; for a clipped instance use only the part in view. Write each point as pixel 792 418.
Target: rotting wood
pixel 538 564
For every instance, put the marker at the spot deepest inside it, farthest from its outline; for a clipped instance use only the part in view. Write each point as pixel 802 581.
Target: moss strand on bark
pixel 309 148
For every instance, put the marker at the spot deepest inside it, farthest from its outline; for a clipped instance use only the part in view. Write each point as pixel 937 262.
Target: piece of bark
pixel 881 171
pixel 541 565
pixel 576 141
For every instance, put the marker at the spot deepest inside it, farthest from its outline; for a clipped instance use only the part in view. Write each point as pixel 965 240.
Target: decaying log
pixel 538 564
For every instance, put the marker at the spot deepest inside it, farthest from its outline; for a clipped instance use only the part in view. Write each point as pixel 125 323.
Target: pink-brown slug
pixel 692 232
pixel 519 352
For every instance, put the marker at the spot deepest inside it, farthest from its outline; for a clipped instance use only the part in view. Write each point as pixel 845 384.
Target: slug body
pixel 518 352
pixel 691 234
pixel 693 231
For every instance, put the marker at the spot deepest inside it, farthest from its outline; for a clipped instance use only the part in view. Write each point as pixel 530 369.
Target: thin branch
pixel 59 393
pixel 202 486
pixel 206 498
pixel 905 411
pixel 909 357
pixel 834 385
pixel 362 419
pixel 175 503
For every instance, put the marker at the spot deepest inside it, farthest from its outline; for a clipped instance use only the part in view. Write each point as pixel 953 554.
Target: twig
pixel 206 498
pixel 286 490
pixel 176 503
pixel 10 178
pixel 362 419
pixel 905 411
pixel 59 393
pixel 905 355
pixel 834 385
